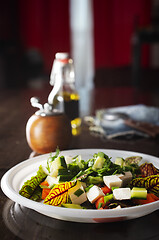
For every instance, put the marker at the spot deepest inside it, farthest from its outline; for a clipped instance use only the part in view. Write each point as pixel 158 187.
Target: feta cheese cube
pixel 112 181
pixel 94 193
pixel 126 178
pixel 122 193
pixel 77 194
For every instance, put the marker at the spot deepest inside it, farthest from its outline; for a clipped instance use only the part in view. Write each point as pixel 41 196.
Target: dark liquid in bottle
pixel 71 108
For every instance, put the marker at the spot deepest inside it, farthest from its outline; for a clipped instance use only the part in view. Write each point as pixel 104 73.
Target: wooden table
pixel 18 222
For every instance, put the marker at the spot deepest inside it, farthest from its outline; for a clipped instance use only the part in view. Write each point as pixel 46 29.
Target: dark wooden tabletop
pixel 18 222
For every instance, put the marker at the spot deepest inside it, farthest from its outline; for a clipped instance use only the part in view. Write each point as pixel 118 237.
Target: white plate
pixel 12 181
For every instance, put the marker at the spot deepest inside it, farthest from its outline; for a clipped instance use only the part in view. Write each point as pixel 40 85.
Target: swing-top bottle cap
pixel 62 55
pixel 62 60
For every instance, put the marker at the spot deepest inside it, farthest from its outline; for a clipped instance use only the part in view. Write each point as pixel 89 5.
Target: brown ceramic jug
pixel 47 129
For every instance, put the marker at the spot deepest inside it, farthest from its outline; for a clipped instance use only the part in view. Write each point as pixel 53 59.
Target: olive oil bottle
pixel 64 96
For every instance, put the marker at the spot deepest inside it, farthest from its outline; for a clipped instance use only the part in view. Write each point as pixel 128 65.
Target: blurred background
pixel 113 43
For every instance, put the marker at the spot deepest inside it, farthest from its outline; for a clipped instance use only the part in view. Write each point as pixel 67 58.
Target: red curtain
pixel 45 25
pixel 114 23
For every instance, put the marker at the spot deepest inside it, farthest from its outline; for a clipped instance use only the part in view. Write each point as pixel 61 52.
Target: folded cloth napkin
pixel 118 128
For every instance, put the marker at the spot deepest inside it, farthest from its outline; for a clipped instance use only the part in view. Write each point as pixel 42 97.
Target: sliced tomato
pixel 145 201
pixel 100 203
pixel 154 196
pixel 106 190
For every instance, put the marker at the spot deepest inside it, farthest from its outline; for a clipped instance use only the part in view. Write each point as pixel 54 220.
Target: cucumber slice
pixel 98 164
pixel 62 162
pixel 119 161
pixel 107 198
pixel 64 178
pixel 139 193
pixel 63 171
pixel 58 163
pixel 94 180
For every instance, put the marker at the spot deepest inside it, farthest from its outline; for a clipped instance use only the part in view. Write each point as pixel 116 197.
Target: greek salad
pixel 95 183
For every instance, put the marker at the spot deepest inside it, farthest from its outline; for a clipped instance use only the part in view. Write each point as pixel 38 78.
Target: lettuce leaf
pixel 59 194
pixel 148 169
pixel 28 189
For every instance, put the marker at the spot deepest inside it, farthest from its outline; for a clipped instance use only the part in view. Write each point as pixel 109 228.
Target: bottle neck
pixel 65 67
pixel 68 87
pixel 62 78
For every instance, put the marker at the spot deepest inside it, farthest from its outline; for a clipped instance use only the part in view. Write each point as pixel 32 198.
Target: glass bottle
pixel 64 96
